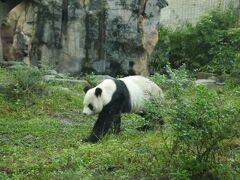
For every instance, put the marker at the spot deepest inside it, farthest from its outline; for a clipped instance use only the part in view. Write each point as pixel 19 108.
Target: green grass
pixel 40 138
pixel 43 147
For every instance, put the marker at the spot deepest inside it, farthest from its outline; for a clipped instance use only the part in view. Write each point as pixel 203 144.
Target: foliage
pixel 197 123
pixel 23 82
pixel 24 89
pixel 174 81
pixel 212 44
pixel 225 52
pixel 200 124
pixel 91 79
pixel 42 139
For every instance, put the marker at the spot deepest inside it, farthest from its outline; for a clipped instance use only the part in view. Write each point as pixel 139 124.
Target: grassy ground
pixel 40 138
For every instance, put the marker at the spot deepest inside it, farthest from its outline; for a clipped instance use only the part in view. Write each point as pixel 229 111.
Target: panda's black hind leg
pixel 117 124
pixel 152 120
pixel 141 113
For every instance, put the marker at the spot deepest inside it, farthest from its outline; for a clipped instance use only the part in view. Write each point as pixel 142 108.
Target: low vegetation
pixel 201 126
pixel 42 127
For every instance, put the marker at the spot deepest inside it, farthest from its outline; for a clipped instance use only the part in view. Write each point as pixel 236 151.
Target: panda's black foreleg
pixel 95 134
pixel 101 127
pixel 108 118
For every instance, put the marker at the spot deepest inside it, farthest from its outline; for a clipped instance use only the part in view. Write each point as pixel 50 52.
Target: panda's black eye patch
pixel 90 106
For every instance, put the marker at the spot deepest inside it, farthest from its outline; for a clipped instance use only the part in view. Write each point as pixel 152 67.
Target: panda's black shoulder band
pixel 122 96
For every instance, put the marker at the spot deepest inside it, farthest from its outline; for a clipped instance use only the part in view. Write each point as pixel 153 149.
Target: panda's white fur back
pixel 140 89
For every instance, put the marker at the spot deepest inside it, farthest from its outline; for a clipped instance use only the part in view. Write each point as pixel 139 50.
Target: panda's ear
pixel 98 92
pixel 86 88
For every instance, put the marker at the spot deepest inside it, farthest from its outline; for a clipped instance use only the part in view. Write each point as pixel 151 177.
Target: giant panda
pixel 115 96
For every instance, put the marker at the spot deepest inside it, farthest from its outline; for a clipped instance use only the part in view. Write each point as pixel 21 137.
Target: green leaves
pixel 197 124
pixel 211 45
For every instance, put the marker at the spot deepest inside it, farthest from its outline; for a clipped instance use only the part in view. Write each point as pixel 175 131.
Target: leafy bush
pixel 198 125
pixel 91 79
pixel 174 81
pixel 225 52
pixel 23 82
pixel 173 84
pixel 210 45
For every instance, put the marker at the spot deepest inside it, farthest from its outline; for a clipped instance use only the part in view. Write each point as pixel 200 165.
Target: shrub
pixel 174 81
pixel 198 124
pixel 23 82
pixel 91 79
pixel 225 52
pixel 210 45
pixel 173 84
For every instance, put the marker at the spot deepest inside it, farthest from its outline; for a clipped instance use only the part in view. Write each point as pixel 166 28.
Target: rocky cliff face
pixel 101 36
pixel 5 7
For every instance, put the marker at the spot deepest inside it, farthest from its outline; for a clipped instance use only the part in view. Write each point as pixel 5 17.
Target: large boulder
pixel 101 36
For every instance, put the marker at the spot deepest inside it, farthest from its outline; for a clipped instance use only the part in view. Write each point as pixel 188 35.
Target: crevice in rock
pixel 87 38
pixel 142 7
pixel 102 34
pixel 141 15
pixel 56 27
pixel 64 16
pixel 20 51
pixel 37 42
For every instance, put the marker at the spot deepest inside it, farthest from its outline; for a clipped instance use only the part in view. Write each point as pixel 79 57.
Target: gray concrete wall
pixel 181 11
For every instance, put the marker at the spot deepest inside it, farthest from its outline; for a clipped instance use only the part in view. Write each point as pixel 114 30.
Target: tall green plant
pixel 200 125
pixel 197 125
pixel 212 44
pixel 24 82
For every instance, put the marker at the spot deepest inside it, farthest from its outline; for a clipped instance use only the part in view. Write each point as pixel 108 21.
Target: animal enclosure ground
pixel 41 132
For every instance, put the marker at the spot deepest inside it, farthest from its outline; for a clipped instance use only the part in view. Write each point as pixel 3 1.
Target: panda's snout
pixel 86 112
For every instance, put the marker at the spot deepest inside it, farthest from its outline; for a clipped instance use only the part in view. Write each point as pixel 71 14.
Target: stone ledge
pixel 84 83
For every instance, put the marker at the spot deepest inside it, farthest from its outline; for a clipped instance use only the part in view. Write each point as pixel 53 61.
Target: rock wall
pixel 5 7
pixel 101 36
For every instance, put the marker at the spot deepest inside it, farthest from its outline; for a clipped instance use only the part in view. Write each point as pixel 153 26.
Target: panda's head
pixel 96 98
